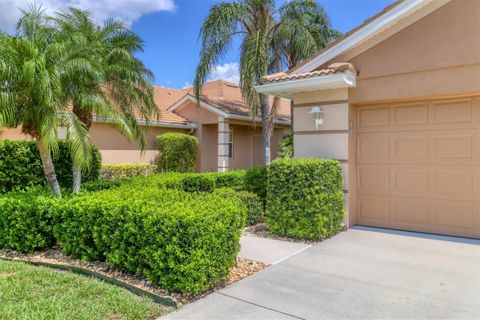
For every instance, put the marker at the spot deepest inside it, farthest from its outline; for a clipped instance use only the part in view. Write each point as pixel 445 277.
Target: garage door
pixel 418 166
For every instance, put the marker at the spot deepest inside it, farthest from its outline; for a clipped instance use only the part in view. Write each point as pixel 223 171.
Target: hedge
pixel 256 182
pixel 251 201
pixel 21 167
pixel 26 221
pixel 185 242
pixel 285 147
pixel 120 171
pixel 177 152
pixel 305 198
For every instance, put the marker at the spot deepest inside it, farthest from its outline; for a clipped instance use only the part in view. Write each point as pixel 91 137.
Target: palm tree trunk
pixel 77 179
pixel 48 168
pixel 266 130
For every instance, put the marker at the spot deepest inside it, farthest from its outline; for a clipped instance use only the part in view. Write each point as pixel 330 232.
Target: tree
pixel 32 69
pixel 121 85
pixel 265 32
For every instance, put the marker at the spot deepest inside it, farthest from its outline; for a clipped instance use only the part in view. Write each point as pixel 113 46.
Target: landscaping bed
pixel 241 270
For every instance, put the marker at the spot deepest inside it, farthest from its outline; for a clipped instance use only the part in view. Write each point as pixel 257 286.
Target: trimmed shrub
pixel 93 186
pixel 120 171
pixel 305 198
pixel 177 152
pixel 256 182
pixel 285 147
pixel 26 221
pixel 21 167
pixel 230 179
pixel 185 242
pixel 251 201
pixel 198 183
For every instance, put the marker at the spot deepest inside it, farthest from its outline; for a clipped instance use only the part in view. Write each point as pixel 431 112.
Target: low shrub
pixel 252 202
pixel 198 183
pixel 256 182
pixel 21 167
pixel 185 242
pixel 230 179
pixel 177 152
pixel 305 198
pixel 100 185
pixel 120 171
pixel 26 221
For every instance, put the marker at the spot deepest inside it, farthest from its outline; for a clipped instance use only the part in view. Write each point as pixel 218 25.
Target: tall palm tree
pixel 121 85
pixel 32 67
pixel 264 30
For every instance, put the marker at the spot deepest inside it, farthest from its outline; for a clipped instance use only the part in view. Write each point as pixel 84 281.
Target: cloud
pixel 125 10
pixel 187 85
pixel 228 72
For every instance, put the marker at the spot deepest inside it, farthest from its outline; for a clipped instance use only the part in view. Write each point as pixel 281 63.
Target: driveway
pixel 364 273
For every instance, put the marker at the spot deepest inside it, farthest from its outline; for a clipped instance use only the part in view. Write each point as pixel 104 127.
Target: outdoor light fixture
pixel 317 115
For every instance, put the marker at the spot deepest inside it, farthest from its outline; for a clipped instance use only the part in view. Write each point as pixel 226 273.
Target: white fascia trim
pixel 285 89
pixel 152 123
pixel 378 25
pixel 204 105
pixel 256 119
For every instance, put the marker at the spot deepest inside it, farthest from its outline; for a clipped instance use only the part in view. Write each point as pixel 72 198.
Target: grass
pixel 30 292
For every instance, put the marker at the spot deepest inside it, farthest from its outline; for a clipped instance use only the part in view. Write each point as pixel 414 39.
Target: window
pixel 230 143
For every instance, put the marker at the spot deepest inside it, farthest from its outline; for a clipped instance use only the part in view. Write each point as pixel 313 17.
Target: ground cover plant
pixel 31 292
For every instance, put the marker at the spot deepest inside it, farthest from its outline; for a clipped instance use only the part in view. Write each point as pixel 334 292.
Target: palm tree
pixel 265 32
pixel 32 67
pixel 121 85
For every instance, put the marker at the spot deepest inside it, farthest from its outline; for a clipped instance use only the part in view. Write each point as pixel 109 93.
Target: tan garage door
pixel 418 166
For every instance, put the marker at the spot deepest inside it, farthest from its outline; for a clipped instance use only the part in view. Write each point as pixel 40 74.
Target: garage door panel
pixel 418 166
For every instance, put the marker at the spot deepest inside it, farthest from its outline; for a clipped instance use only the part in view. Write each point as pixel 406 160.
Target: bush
pixel 21 167
pixel 120 171
pixel 185 242
pixel 198 183
pixel 285 147
pixel 312 206
pixel 230 179
pixel 251 201
pixel 256 182
pixel 177 152
pixel 93 186
pixel 26 221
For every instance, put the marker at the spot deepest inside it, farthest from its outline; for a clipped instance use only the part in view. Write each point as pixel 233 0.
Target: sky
pixel 170 29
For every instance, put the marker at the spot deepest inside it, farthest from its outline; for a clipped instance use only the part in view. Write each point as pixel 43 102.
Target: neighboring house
pixel 400 97
pixel 229 138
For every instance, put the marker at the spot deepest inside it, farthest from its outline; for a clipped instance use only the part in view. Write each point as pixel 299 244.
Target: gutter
pixel 188 125
pixel 286 89
pixel 256 119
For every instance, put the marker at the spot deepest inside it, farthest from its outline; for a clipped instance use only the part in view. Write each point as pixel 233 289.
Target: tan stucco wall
pixel 438 55
pixel 13 134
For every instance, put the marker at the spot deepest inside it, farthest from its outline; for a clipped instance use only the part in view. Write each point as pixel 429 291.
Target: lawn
pixel 30 292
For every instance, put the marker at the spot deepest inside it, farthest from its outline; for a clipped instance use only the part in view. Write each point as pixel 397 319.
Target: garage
pixel 418 166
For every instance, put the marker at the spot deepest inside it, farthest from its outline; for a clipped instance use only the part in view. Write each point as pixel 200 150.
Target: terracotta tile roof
pixel 347 34
pixel 331 69
pixel 227 97
pixel 164 98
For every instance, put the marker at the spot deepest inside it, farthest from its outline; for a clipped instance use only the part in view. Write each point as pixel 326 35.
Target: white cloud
pixel 186 85
pixel 125 10
pixel 228 72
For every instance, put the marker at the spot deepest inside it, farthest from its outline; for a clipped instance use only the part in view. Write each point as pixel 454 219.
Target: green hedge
pixel 177 152
pixel 305 198
pixel 26 221
pixel 21 167
pixel 256 182
pixel 120 171
pixel 183 241
pixel 251 201
pixel 285 147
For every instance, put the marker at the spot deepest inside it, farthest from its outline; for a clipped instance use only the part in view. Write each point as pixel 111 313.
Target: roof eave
pixel 286 89
pixel 187 125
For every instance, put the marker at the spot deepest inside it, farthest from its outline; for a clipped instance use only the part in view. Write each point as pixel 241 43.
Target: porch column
pixel 222 153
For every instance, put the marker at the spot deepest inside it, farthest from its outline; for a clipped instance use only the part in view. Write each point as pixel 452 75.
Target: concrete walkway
pixel 363 273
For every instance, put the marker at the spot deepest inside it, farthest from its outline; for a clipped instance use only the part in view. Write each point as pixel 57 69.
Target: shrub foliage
pixel 177 152
pixel 305 198
pixel 252 202
pixel 21 167
pixel 285 147
pixel 120 171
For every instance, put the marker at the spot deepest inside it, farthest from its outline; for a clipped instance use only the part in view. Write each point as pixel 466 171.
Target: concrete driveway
pixel 364 273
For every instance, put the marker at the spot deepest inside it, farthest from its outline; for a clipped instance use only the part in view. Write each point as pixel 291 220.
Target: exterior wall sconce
pixel 317 115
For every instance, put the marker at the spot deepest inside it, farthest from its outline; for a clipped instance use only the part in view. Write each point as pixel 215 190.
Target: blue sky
pixel 172 45
pixel 170 29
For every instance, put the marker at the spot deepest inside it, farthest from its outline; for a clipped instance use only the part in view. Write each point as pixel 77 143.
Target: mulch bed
pixel 243 269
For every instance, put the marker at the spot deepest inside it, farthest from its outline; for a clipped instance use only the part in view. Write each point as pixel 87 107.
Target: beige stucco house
pixel 229 138
pixel 400 97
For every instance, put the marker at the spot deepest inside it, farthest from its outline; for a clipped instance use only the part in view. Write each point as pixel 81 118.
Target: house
pixel 398 104
pixel 229 137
